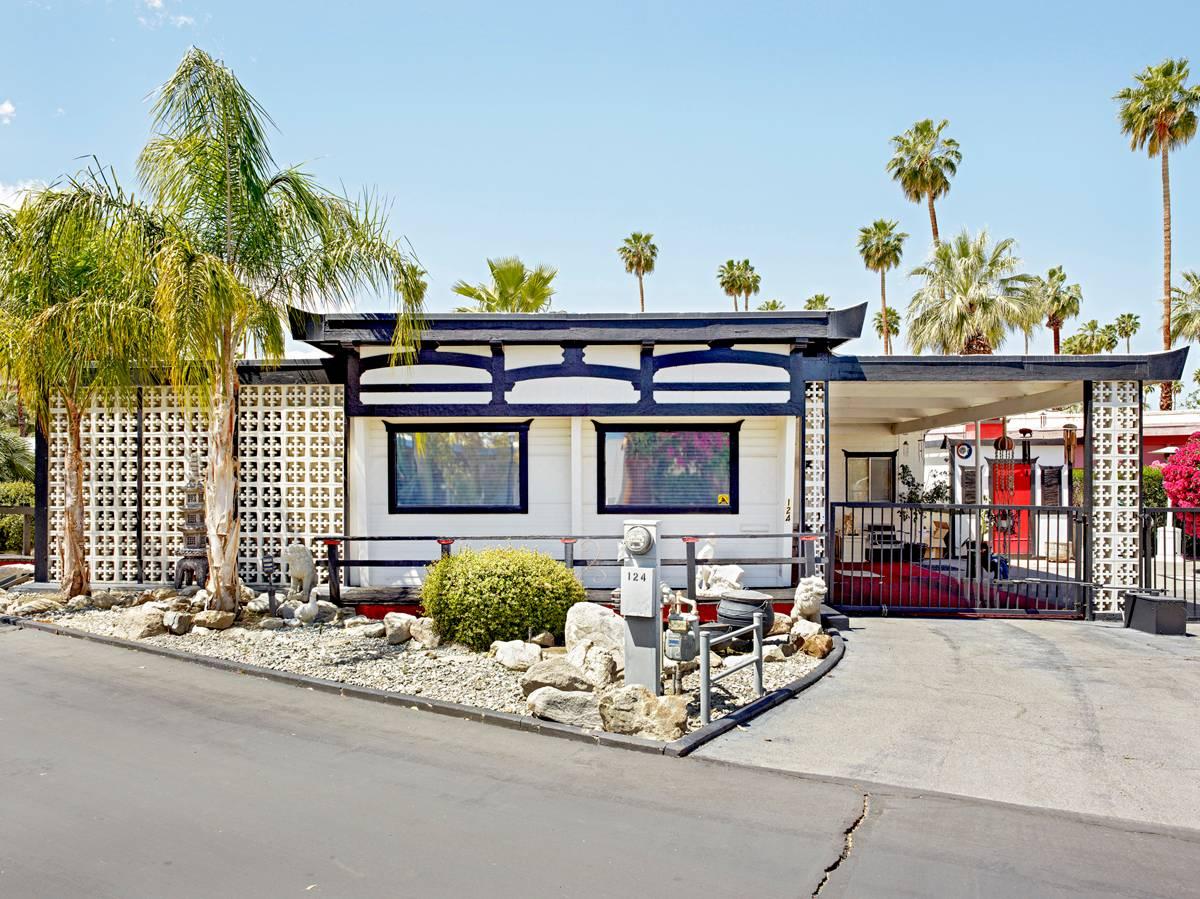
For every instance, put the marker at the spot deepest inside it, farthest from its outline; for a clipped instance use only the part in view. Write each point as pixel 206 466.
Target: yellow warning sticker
pixel 722 499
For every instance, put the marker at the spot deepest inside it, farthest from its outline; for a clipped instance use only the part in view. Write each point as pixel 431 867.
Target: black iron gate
pixel 1170 554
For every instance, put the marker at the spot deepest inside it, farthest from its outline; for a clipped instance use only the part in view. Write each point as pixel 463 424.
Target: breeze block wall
pixel 290 454
pixel 1114 430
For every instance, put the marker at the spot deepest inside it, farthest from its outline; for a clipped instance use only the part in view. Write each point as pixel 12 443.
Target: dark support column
pixel 41 504
pixel 140 443
pixel 1089 612
pixel 646 376
pixel 353 374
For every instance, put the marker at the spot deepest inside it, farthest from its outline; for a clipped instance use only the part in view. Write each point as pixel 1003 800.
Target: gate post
pixel 1113 482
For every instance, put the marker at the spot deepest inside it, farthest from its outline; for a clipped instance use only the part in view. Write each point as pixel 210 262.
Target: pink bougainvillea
pixel 1181 480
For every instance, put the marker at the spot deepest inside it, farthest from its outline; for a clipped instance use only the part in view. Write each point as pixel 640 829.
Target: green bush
pixel 476 598
pixel 13 493
pixel 1154 495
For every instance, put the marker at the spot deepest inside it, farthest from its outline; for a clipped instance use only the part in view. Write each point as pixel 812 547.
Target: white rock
pixel 781 625
pixel 214 619
pixel 141 622
pixel 425 633
pixel 545 639
pixel 597 623
pixel 803 629
pixel 398 627
pixel 376 629
pixel 633 709
pixel 555 672
pixel 37 605
pixel 357 621
pixel 271 624
pixel 598 663
pixel 566 707
pixel 259 605
pixel 516 655
pixel 178 623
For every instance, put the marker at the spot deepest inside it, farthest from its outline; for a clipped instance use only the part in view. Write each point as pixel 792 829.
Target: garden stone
pixel 566 707
pixel 143 621
pixel 375 630
pixel 356 621
pixel 259 604
pixel 203 630
pixel 425 633
pixel 516 655
pixel 545 639
pixel 598 663
pixel 287 609
pixel 144 597
pixel 214 619
pixel 38 606
pixel 592 621
pixel 79 603
pixel 635 711
pixel 191 590
pixel 818 645
pixel 178 623
pixel 803 629
pixel 398 626
pixel 105 599
pixel 200 595
pixel 779 652
pixel 780 626
pixel 326 611
pixel 554 672
pixel 271 624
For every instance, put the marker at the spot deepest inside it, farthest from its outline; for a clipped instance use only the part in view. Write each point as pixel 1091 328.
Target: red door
pixel 1010 528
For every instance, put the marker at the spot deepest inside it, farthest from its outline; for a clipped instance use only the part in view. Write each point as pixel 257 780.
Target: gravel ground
pixel 451 673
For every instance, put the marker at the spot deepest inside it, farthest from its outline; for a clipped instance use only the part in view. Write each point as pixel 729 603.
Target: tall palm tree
pixel 923 162
pixel 1091 339
pixel 818 302
pixel 514 288
pixel 771 306
pixel 76 325
pixel 1056 299
pixel 881 245
pixel 1185 309
pixel 639 253
pixel 1127 325
pixel 887 326
pixel 971 299
pixel 235 242
pixel 730 276
pixel 1159 114
pixel 751 281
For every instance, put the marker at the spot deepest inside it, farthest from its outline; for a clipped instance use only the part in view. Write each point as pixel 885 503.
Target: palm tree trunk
pixel 220 511
pixel 76 578
pixel 933 222
pixel 1165 399
pixel 641 293
pixel 746 302
pixel 887 325
pixel 1057 332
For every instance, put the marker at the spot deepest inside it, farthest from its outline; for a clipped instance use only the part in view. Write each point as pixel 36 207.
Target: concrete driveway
pixel 1083 717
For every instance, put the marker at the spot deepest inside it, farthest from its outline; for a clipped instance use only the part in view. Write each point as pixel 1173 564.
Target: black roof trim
pixel 292 371
pixel 819 329
pixel 1165 366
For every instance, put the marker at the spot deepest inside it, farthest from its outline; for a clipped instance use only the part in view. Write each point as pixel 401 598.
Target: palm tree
pixel 751 281
pixel 818 302
pixel 1056 299
pixel 1127 325
pixel 730 277
pixel 514 288
pixel 881 246
pixel 16 457
pixel 235 243
pixel 639 253
pixel 1159 114
pixel 887 326
pixel 1185 310
pixel 771 306
pixel 76 325
pixel 923 162
pixel 1091 339
pixel 971 298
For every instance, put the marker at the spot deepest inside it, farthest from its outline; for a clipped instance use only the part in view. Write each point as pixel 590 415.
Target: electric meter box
pixel 641 604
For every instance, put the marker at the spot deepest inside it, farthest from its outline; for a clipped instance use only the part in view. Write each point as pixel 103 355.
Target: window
pixel 660 469
pixel 458 468
pixel 870 477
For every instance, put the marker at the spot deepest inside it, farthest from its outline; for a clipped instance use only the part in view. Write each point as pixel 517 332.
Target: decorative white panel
pixel 815 457
pixel 290 443
pixel 1116 485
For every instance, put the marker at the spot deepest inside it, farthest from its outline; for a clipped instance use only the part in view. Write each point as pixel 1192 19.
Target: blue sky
pixel 756 130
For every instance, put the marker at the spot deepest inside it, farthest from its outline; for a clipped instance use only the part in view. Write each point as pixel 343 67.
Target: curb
pixel 677 749
pixel 689 743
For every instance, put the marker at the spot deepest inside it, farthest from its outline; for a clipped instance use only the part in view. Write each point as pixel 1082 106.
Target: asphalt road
pixel 131 775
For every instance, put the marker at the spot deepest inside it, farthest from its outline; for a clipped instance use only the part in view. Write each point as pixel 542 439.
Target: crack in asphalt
pixel 847 844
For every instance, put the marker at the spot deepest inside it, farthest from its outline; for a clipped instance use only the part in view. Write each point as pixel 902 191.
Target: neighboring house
pixel 753 426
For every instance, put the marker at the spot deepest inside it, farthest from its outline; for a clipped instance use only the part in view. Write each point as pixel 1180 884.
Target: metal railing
pixel 984 558
pixel 1170 554
pixel 708 641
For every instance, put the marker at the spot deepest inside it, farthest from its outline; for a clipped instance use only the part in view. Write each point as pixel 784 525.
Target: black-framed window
pixel 662 469
pixel 870 477
pixel 458 468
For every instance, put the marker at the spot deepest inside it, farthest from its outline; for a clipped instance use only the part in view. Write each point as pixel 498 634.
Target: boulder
pixel 326 611
pixel 260 605
pixel 287 609
pixel 356 621
pixel 780 626
pixel 38 605
pixel 375 630
pixel 636 711
pixel 545 639
pixel 778 652
pixel 214 620
pixel 178 623
pixel 79 603
pixel 425 633
pixel 597 623
pixel 105 599
pixel 803 629
pixel 141 622
pixel 398 627
pixel 554 672
pixel 165 593
pixel 142 598
pixel 516 655
pixel 598 663
pixel 271 624
pixel 575 707
pixel 818 645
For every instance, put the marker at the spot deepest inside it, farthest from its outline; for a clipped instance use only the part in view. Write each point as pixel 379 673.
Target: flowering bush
pixel 1181 481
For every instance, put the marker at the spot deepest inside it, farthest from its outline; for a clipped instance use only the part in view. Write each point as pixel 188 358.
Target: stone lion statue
pixel 301 571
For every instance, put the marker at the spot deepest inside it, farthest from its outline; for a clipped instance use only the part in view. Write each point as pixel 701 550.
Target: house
pixel 761 428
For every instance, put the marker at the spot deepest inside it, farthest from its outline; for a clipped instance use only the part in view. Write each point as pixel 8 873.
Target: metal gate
pixel 990 559
pixel 1170 554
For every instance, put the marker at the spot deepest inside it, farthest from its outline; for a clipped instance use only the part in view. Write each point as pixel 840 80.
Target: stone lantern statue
pixel 192 565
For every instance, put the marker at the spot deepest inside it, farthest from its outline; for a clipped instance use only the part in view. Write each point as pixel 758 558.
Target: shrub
pixel 13 493
pixel 1153 494
pixel 1181 481
pixel 476 598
